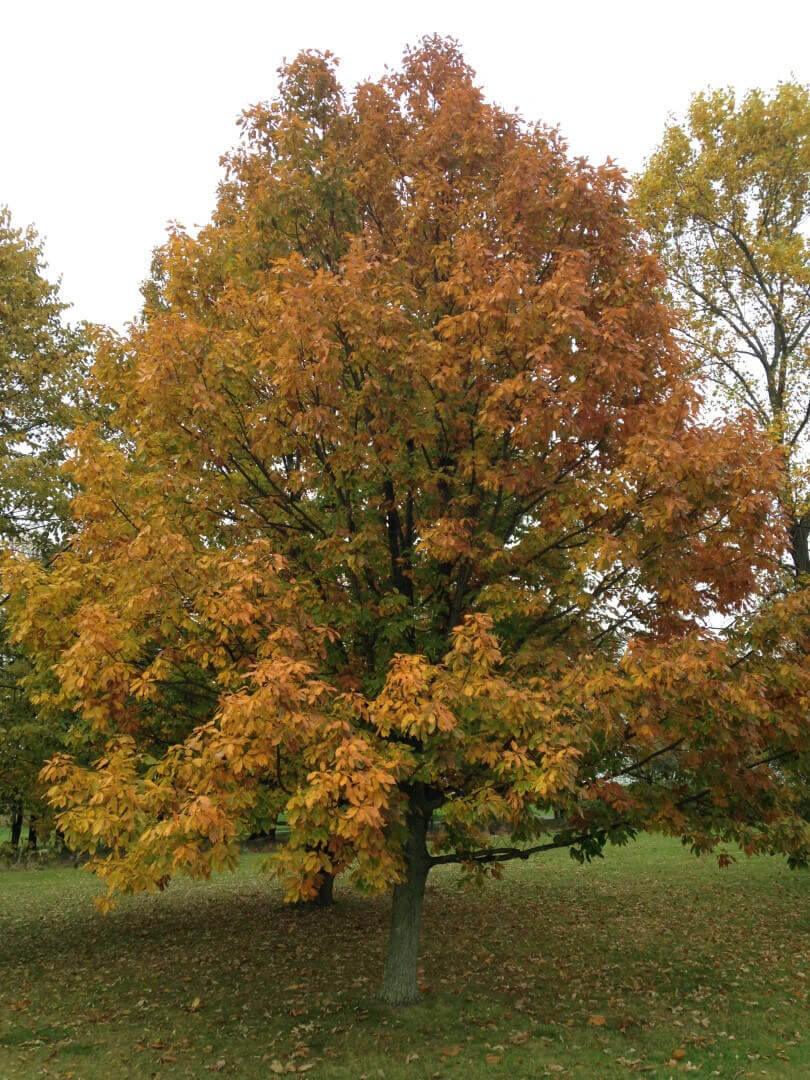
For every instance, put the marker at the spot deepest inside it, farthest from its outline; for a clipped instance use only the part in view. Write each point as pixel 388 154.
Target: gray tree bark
pixel 400 985
pixel 800 545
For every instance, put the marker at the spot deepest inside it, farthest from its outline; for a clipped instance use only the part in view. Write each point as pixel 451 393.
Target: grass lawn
pixel 650 962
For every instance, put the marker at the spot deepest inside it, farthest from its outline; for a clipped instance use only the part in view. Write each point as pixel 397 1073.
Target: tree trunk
pixel 32 833
pixel 326 891
pixel 800 545
pixel 400 986
pixel 325 896
pixel 16 826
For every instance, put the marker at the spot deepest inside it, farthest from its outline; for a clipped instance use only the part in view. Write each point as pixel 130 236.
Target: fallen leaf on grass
pixel 451 1051
pixel 597 1021
pixel 492 1059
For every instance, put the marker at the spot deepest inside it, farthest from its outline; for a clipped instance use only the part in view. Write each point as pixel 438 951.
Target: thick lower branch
pixel 506 854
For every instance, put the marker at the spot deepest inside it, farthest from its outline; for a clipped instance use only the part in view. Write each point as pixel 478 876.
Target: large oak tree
pixel 404 511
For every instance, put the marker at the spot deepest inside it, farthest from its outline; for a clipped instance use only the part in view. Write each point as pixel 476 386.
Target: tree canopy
pixel 726 199
pixel 403 506
pixel 41 367
pixel 42 362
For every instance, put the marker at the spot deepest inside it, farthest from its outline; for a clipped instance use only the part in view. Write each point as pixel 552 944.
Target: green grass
pixel 559 970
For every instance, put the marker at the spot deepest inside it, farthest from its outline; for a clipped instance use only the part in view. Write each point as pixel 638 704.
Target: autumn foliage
pixel 726 200
pixel 42 361
pixel 403 511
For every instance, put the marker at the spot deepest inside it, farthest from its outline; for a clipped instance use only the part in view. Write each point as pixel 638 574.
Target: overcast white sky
pixel 113 113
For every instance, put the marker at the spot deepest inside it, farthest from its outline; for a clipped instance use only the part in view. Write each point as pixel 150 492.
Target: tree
pixel 42 362
pixel 424 520
pixel 726 200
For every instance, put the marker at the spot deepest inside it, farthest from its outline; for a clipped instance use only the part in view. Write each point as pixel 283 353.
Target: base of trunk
pixel 400 983
pixel 325 896
pixel 16 827
pixel 326 892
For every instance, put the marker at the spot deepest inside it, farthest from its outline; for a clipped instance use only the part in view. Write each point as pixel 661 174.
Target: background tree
pixel 726 200
pixel 423 516
pixel 41 366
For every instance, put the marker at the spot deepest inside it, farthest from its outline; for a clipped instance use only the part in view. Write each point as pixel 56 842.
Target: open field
pixel 650 962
